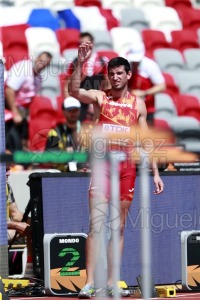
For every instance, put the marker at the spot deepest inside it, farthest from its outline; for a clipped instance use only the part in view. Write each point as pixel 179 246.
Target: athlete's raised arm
pixel 91 96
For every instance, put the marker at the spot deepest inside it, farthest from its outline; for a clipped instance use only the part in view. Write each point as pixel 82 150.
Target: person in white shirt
pixel 22 84
pixel 147 78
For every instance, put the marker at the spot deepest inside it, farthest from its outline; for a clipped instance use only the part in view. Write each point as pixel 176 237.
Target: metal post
pixel 98 219
pixel 115 207
pixel 3 222
pixel 145 227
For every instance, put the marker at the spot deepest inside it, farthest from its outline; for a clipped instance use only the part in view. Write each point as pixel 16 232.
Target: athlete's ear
pixel 129 74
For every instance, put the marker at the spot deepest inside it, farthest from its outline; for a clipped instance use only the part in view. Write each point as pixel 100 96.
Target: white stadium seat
pixel 117 6
pixel 102 40
pixel 29 3
pixel 42 39
pixel 135 18
pixel 166 110
pixel 123 38
pixel 192 58
pixel 148 3
pixel 163 18
pixel 90 18
pixel 169 60
pixel 189 83
pixel 14 15
pixel 58 4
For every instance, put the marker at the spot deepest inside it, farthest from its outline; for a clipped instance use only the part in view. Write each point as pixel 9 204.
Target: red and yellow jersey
pixel 118 115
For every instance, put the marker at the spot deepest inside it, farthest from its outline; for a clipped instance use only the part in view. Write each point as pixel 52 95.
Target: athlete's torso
pixel 118 115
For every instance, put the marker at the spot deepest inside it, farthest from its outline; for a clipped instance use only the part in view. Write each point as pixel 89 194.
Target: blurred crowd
pixel 61 127
pixel 37 121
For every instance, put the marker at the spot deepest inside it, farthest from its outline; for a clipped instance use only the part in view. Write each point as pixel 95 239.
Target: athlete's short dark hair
pixel 117 62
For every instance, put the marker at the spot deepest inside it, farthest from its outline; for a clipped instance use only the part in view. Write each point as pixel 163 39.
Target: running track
pixel 188 296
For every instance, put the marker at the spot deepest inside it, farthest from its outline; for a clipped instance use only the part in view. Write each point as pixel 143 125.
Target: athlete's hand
pixel 84 51
pixel 159 185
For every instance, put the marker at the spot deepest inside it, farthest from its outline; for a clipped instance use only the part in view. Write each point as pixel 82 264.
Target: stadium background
pixel 65 210
pixel 62 20
pixel 168 28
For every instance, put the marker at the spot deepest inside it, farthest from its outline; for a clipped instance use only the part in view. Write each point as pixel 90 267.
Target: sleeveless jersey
pixel 118 115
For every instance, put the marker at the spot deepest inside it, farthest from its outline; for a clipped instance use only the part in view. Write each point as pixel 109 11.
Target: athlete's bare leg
pixel 98 206
pixel 124 208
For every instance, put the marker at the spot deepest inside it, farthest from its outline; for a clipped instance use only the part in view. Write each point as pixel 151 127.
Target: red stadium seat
pixel 15 46
pixel 188 105
pixel 60 116
pixel 43 117
pixel 68 38
pixel 184 39
pixel 190 17
pixel 161 124
pixel 111 20
pixel 178 4
pixel 109 54
pixel 88 3
pixel 154 39
pixel 171 87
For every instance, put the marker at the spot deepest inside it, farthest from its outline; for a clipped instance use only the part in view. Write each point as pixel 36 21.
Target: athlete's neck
pixel 116 94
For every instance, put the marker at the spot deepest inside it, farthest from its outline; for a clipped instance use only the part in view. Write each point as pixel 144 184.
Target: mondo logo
pixel 68 241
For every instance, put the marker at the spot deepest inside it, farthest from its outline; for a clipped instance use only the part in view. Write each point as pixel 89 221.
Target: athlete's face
pixel 118 77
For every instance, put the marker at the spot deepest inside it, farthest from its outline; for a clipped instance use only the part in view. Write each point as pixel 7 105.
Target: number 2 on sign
pixel 75 256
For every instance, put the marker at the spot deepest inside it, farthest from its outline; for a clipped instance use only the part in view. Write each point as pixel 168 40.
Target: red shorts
pixel 127 174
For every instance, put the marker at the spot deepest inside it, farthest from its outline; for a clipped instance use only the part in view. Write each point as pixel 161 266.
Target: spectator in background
pixel 94 74
pixel 147 79
pixel 15 226
pixel 65 137
pixel 22 84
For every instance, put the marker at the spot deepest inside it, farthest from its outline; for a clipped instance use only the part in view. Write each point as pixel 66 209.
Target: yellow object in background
pixel 166 292
pixel 122 284
pixel 15 283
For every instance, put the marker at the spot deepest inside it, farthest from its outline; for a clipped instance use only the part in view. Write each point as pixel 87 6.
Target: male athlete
pixel 120 109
